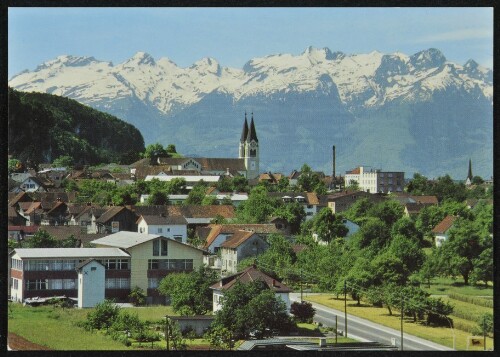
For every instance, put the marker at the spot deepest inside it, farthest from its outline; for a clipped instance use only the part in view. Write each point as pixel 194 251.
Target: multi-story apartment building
pixel 130 259
pixel 45 272
pixel 375 180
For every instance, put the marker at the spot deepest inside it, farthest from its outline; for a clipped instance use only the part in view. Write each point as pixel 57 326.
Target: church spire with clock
pixel 249 148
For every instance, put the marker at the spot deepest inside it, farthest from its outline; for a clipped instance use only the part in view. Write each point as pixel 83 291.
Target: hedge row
pixel 472 300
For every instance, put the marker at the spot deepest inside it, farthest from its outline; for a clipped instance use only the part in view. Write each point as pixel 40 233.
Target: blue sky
pixel 235 35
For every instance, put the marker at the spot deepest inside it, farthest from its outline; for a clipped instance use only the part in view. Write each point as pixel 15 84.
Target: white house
pixel 246 276
pixel 32 184
pixel 441 230
pixel 241 245
pixel 174 227
pixel 91 283
pixel 375 180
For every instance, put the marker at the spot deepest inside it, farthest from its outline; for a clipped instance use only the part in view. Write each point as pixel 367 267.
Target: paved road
pixel 364 330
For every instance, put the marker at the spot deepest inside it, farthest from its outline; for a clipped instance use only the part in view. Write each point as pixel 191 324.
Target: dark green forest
pixel 43 127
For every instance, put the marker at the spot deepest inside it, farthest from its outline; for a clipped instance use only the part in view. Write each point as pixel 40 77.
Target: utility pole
pixel 336 317
pixel 345 307
pixel 300 285
pixel 402 315
pixel 167 331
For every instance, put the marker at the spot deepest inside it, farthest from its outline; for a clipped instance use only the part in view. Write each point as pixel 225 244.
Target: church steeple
pixel 468 180
pixel 249 149
pixel 244 132
pixel 253 134
pixel 469 174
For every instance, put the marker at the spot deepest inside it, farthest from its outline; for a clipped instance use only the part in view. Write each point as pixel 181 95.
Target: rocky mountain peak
pixel 430 58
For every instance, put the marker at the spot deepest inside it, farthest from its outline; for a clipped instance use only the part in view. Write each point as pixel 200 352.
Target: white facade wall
pixel 375 181
pixel 91 284
pixel 175 232
pixel 229 258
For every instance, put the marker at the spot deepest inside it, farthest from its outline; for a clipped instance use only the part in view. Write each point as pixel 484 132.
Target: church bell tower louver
pixel 249 148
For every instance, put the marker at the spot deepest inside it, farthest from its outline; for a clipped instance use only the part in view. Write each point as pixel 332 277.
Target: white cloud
pixel 458 35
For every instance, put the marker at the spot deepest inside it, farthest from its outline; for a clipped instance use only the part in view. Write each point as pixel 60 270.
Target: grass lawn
pixel 54 328
pixel 151 313
pixel 444 286
pixel 441 335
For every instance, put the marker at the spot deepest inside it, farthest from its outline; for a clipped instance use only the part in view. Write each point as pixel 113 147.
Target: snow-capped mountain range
pixel 330 98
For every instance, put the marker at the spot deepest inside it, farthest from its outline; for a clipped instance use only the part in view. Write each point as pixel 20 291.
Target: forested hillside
pixel 43 127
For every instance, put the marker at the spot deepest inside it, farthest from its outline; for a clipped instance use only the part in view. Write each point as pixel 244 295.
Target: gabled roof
pixel 217 229
pixel 158 220
pixel 355 171
pixel 109 214
pixel 56 207
pixel 126 240
pixel 20 197
pixel 249 275
pixel 85 262
pixel 443 226
pixel 96 211
pixel 238 238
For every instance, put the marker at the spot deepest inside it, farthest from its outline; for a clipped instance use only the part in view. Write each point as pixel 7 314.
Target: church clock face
pixel 253 145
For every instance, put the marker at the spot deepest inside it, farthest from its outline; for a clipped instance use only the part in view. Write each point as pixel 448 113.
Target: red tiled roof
pixel 217 229
pixel 238 238
pixel 249 275
pixel 355 171
pixel 444 225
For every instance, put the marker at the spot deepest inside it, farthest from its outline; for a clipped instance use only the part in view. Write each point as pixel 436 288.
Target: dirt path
pixel 18 343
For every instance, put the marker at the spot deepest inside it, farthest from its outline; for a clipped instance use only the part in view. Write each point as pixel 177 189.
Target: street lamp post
pixel 345 307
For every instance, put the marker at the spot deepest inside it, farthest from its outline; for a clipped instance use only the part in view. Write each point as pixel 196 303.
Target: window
pixel 178 238
pixel 39 284
pixel 170 264
pixel 156 247
pixel 117 283
pixel 160 230
pixel 69 283
pixel 55 284
pixel 152 283
pixel 152 264
pixel 164 247
pixel 122 264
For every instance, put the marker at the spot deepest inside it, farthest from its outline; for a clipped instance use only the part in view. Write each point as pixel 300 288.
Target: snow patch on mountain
pixel 361 80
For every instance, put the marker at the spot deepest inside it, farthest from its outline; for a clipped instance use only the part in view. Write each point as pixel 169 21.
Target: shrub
pixel 303 311
pixel 103 315
pixel 137 296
